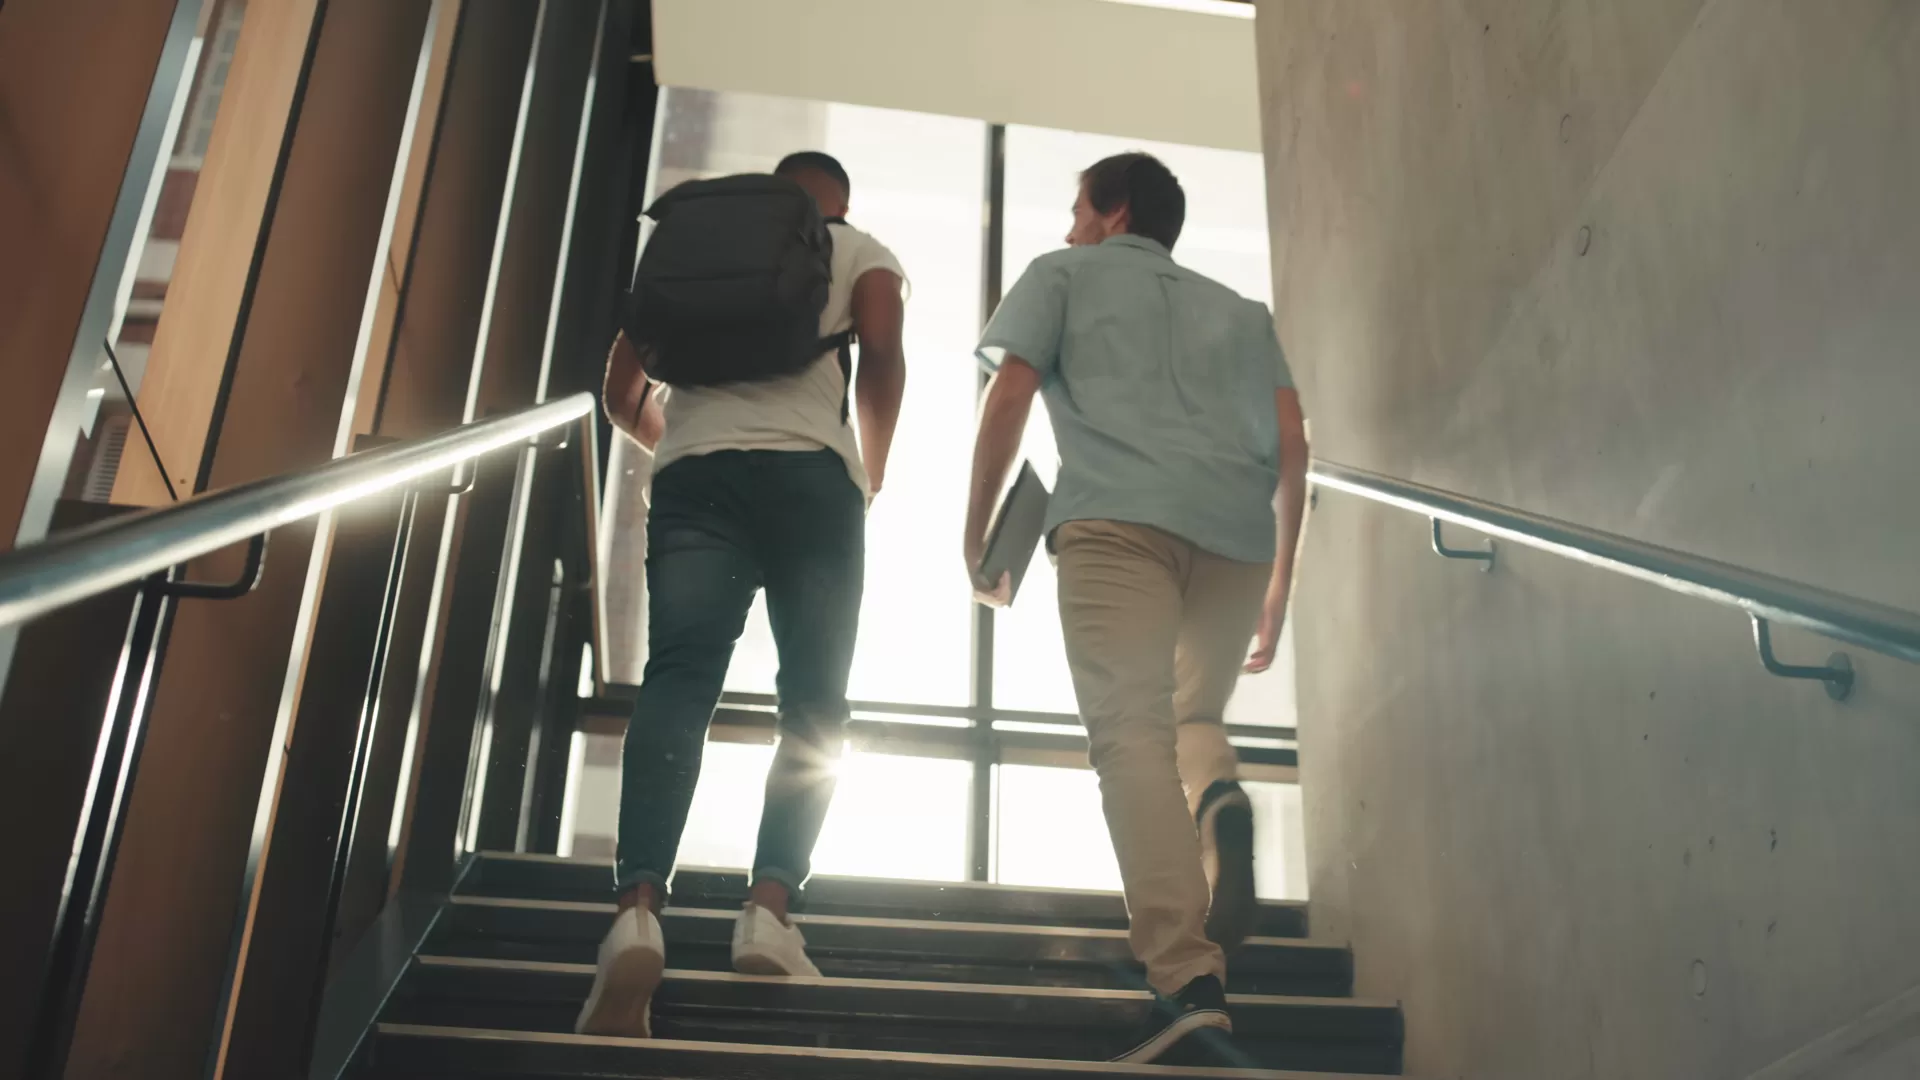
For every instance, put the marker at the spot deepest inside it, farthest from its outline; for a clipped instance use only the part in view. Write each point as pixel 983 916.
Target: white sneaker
pixel 763 945
pixel 632 957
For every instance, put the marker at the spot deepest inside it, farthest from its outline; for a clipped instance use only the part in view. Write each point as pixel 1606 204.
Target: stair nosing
pixel 773 1051
pixel 971 886
pixel 1027 929
pixel 917 986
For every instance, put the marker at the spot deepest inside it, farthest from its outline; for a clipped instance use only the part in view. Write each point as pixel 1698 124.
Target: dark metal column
pixel 592 278
pixel 57 770
pixel 550 755
pixel 514 704
pixel 369 870
pixel 598 260
pixel 569 628
pixel 290 931
pixel 423 367
pixel 529 289
pixel 428 379
pixel 434 837
pixel 980 808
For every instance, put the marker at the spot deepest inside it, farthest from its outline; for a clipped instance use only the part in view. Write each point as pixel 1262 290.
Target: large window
pixel 1051 833
pixel 892 816
pixel 919 185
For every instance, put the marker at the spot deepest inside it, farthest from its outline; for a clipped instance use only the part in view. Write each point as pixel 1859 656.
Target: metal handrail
pixel 86 562
pixel 1888 630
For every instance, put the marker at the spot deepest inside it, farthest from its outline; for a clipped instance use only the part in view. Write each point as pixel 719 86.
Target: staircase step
pixel 881 1014
pixel 547 877
pixel 442 1053
pixel 561 931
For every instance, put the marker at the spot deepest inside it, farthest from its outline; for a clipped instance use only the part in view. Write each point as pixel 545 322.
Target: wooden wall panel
pixel 529 263
pixel 399 261
pixel 155 998
pixel 209 291
pixel 74 80
pixel 439 318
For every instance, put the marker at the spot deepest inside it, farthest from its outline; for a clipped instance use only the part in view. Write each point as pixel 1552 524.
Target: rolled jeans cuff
pixel 785 877
pixel 633 879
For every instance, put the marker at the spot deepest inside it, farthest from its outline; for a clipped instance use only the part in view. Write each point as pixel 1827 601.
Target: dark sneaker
pixel 1226 844
pixel 1177 1024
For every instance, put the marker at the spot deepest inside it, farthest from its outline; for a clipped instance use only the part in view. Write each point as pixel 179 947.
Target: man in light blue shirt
pixel 1177 423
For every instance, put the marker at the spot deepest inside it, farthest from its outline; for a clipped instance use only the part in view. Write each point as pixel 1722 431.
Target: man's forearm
pixel 628 403
pixel 878 391
pixel 1292 506
pixel 1003 421
pixel 651 426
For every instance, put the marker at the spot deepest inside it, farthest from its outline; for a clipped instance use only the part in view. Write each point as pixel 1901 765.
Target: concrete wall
pixel 1652 266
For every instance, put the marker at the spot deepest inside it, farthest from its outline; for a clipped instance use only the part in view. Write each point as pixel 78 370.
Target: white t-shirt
pixel 794 412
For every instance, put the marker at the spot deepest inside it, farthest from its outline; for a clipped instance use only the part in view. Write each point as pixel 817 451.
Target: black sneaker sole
pixel 1180 1030
pixel 1233 912
pixel 1208 1048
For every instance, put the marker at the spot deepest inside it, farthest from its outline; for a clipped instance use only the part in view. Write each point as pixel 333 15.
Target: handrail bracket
pixel 1837 675
pixel 248 580
pixel 459 486
pixel 1440 548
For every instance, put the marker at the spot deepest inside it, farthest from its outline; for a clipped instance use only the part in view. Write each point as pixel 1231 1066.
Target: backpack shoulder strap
pixel 842 344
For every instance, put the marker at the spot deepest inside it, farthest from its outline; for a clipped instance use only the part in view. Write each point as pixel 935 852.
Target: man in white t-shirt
pixel 758 484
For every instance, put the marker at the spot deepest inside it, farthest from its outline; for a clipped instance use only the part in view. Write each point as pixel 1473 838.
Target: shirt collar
pixel 1134 240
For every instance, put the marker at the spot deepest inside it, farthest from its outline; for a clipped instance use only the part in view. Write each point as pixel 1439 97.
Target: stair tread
pixel 899 986
pixel 860 946
pixel 607 908
pixel 557 877
pixel 484 1052
pixel 934 979
pixel 1273 1031
pixel 602 867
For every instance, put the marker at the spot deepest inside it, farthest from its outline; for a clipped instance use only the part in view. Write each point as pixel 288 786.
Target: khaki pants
pixel 1156 633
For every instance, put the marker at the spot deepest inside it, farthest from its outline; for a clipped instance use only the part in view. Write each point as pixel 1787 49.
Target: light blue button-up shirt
pixel 1160 385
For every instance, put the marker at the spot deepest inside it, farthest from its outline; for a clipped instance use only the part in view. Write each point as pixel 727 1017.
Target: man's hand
pixel 1266 640
pixel 993 595
pixel 1003 419
pixel 997 594
pixel 1290 503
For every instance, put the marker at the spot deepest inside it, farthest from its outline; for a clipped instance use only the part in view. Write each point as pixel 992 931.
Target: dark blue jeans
pixel 721 527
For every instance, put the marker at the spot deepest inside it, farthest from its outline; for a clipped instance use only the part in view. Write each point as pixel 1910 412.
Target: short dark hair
pixel 818 162
pixel 1156 204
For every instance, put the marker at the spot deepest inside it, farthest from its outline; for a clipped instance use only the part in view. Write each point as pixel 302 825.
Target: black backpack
pixel 732 283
